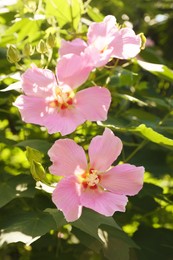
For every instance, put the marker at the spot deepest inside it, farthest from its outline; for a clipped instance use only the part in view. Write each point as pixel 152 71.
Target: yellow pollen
pixel 92 179
pixel 62 99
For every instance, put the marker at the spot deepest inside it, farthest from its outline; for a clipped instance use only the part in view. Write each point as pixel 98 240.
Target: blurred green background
pixel 140 96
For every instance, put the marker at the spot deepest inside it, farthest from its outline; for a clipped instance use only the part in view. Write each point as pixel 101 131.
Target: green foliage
pixel 141 114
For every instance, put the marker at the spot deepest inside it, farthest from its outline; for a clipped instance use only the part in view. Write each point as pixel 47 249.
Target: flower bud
pixel 13 55
pixel 42 47
pixel 28 50
pixel 51 40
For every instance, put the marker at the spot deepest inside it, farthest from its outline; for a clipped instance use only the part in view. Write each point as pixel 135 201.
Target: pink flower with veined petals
pixel 95 185
pixel 55 105
pixel 105 40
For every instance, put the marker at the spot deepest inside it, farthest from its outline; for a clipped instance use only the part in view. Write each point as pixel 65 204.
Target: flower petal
pixel 66 198
pixel 38 82
pixel 93 103
pixel 104 150
pixel 32 109
pixel 64 121
pixel 73 70
pixel 97 58
pixel 38 111
pixel 102 33
pixel 76 47
pixel 124 179
pixel 105 203
pixel 126 44
pixel 68 158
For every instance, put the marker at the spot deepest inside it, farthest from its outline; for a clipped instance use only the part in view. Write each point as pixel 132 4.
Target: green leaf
pixel 157 69
pixel 132 99
pixel 15 187
pixel 146 132
pixel 102 233
pixel 115 248
pixel 41 145
pixel 26 227
pixel 118 234
pixel 153 136
pixel 57 216
pixel 150 189
pixel 141 116
pixel 20 30
pixel 91 220
pixel 94 14
pixel 68 12
pixel 87 240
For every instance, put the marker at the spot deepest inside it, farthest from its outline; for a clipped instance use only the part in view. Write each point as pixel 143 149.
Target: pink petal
pixel 76 47
pixel 103 202
pixel 101 34
pixel 93 103
pixel 96 58
pixel 64 121
pixel 110 20
pixel 66 198
pixel 32 109
pixel 38 82
pixel 124 179
pixel 37 111
pixel 104 150
pixel 68 158
pixel 73 70
pixel 126 44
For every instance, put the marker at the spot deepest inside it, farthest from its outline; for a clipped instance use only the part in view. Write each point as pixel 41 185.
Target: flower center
pixel 62 99
pixel 90 179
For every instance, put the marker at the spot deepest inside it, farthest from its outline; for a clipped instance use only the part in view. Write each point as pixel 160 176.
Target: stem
pixel 18 66
pixel 49 58
pixel 42 61
pixel 164 118
pixel 142 144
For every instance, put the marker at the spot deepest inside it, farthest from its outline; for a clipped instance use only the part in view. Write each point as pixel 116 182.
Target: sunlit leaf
pixel 157 69
pixel 20 30
pixel 153 136
pixel 132 99
pixel 94 14
pixel 68 12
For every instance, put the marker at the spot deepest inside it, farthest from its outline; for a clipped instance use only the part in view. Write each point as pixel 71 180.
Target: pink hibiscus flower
pixel 54 104
pixel 95 185
pixel 105 40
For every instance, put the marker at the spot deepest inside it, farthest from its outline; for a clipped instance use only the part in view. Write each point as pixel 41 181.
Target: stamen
pixel 62 99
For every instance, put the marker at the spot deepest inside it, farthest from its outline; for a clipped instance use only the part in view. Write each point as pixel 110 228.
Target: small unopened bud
pixel 143 41
pixel 13 55
pixel 28 50
pixel 51 40
pixel 42 47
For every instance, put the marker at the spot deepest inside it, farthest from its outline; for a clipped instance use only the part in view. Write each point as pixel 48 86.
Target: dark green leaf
pixel 90 221
pixel 41 145
pixel 26 227
pixel 15 187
